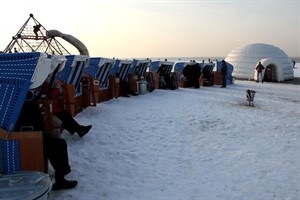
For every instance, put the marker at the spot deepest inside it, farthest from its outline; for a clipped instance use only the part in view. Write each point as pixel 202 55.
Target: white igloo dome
pixel 278 65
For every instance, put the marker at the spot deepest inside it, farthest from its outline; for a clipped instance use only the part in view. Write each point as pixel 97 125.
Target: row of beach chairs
pixel 87 81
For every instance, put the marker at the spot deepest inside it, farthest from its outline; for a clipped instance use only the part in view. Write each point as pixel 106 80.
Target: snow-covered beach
pixel 190 144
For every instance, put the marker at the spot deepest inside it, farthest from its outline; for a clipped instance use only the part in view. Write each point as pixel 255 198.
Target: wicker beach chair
pixel 118 75
pixel 182 80
pixel 139 67
pixel 178 68
pixel 159 69
pixel 96 79
pixel 136 74
pixel 19 73
pixel 99 68
pixel 58 63
pixel 207 73
pixel 73 70
pixel 71 77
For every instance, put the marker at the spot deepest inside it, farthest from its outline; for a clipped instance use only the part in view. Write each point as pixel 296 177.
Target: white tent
pixel 278 65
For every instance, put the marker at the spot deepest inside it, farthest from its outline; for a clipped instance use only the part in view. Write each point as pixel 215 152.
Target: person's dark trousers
pixel 68 122
pixel 224 80
pixel 196 81
pixel 55 149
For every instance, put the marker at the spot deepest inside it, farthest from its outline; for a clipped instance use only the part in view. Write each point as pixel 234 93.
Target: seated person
pixel 55 149
pixel 68 122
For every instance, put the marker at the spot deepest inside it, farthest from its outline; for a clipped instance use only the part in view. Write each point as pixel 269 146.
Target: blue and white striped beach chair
pixel 71 77
pixel 73 70
pixel 99 68
pixel 19 72
pixel 136 74
pixel 159 67
pixel 139 67
pixel 178 70
pixel 58 63
pixel 118 75
pixel 121 69
pixel 207 73
pixel 179 67
pixel 155 66
pixel 97 79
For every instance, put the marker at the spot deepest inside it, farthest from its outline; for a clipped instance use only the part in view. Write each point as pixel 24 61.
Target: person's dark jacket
pixel 224 68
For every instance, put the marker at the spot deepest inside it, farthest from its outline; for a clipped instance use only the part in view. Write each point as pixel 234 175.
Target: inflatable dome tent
pixel 278 66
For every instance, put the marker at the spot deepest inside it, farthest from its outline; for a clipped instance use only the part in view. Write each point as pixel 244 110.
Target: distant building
pixel 278 65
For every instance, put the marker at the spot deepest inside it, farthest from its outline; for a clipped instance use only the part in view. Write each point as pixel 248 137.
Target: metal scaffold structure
pixel 34 37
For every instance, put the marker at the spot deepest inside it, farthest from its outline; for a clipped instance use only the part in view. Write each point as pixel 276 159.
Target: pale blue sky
pixel 162 28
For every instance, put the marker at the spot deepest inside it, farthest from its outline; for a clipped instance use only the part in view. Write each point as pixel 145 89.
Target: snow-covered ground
pixel 190 144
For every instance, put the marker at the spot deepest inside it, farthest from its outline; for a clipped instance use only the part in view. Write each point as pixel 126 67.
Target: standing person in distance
pixel 259 68
pixel 224 73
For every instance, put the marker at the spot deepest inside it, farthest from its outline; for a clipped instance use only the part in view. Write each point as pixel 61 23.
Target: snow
pixel 190 144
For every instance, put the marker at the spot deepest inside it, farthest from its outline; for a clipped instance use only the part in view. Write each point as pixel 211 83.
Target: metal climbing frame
pixel 32 37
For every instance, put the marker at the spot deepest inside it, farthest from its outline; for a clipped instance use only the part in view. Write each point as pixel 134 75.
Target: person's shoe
pixel 64 185
pixel 84 130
